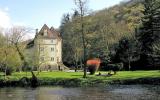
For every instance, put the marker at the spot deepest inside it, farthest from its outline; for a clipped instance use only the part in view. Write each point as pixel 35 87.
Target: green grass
pixel 122 75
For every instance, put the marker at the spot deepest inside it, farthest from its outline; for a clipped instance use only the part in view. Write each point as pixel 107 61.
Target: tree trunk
pixel 129 61
pixel 21 57
pixel 84 50
pixel 5 72
pixel 81 7
pixel 129 65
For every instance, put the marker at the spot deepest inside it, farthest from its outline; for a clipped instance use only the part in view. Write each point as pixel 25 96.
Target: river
pixel 112 92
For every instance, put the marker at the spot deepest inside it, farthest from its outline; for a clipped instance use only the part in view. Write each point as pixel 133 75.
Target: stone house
pixel 47 47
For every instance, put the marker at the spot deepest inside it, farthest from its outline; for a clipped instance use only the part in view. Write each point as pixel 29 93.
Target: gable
pixel 45 32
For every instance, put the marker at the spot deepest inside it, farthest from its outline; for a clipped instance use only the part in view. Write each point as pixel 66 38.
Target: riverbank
pixel 74 79
pixel 111 92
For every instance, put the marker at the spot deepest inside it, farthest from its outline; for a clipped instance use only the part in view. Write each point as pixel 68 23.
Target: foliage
pixel 148 34
pixel 9 58
pixel 126 33
pixel 102 29
pixel 127 52
pixel 82 9
pixel 16 37
pixel 92 69
pixel 93 65
pixel 12 47
pixel 115 67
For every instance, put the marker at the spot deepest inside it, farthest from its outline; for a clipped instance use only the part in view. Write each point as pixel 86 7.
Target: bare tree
pixel 17 37
pixel 8 56
pixel 82 8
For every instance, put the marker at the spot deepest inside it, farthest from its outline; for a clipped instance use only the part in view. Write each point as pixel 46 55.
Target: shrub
pixel 115 67
pixel 92 69
pixel 93 65
pixel 7 69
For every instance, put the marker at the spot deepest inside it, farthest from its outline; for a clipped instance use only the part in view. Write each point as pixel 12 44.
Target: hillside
pixel 103 31
pixel 116 22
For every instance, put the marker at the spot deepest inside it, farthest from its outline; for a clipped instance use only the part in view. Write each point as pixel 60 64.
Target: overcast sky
pixel 35 13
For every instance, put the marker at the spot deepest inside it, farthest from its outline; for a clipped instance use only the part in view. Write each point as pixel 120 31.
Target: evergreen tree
pixel 127 52
pixel 148 32
pixel 65 20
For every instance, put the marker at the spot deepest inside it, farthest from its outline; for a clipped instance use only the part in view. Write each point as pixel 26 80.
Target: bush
pixel 8 70
pixel 115 67
pixel 93 65
pixel 92 69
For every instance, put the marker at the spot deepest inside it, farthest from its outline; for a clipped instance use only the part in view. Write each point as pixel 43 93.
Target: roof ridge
pixel 52 33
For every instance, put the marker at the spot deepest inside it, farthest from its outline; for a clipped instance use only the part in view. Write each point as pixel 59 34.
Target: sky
pixel 35 13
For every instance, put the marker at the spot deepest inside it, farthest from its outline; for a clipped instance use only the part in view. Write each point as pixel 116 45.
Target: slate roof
pixel 51 33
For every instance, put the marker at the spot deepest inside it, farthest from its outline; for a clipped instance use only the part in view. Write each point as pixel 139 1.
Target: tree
pixel 148 33
pixel 9 59
pixel 16 37
pixel 127 51
pixel 102 31
pixel 65 20
pixel 65 30
pixel 82 8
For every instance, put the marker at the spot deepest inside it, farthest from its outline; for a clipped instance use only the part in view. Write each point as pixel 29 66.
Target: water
pixel 113 92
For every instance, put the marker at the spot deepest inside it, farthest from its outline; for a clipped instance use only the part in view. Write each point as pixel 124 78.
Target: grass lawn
pixel 121 75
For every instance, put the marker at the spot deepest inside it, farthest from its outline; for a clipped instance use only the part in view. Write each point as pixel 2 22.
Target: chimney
pixel 36 31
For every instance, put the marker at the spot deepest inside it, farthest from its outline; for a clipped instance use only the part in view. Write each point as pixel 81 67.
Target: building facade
pixel 48 48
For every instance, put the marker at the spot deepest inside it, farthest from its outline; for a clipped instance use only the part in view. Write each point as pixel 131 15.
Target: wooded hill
pixel 103 29
pixel 108 34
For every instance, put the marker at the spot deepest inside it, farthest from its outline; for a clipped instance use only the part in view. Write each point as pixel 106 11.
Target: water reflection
pixel 123 92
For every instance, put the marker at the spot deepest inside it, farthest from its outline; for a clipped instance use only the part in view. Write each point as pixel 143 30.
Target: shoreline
pixel 80 82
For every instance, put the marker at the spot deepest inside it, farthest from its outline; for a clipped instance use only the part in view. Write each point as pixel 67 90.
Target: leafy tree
pixel 16 37
pixel 103 30
pixel 9 58
pixel 81 7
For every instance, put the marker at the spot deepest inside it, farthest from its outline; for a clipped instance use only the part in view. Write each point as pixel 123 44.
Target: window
pixel 52 58
pixel 52 49
pixel 42 59
pixel 45 32
pixel 57 59
pixel 51 41
pixel 41 49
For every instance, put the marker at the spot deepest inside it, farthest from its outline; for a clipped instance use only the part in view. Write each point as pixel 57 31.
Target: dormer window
pixel 45 32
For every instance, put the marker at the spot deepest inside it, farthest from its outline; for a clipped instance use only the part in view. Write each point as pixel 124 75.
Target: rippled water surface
pixel 113 92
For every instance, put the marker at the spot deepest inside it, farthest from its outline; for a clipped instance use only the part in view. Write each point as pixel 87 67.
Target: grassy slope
pixel 71 75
